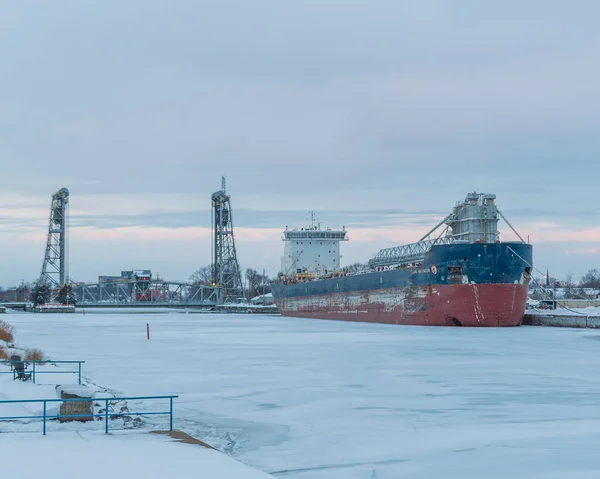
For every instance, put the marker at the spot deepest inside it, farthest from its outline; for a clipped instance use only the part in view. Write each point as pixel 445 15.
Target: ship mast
pixel 312 219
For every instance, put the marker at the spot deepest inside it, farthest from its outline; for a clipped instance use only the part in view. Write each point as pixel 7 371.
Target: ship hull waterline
pixel 472 305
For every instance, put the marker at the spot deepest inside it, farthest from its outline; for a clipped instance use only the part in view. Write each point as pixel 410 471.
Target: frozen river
pixel 308 399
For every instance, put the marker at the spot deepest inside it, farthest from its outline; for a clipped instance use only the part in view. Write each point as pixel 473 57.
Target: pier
pixel 562 320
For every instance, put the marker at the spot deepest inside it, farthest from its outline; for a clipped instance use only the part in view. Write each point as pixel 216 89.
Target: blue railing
pixel 106 414
pixel 33 372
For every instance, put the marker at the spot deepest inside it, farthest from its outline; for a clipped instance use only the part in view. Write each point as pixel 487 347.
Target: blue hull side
pixel 497 263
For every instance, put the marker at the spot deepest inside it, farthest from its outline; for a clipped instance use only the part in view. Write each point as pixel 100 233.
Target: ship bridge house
pixel 311 249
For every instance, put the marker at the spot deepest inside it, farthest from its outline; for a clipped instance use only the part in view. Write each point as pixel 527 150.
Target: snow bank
pixel 121 454
pixel 74 390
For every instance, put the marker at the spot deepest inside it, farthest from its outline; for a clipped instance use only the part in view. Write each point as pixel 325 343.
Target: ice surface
pixel 308 399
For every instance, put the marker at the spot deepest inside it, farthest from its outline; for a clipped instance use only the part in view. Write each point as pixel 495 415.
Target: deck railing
pixel 106 414
pixel 35 371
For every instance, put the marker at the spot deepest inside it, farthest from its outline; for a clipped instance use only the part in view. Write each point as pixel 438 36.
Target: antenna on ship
pixel 312 219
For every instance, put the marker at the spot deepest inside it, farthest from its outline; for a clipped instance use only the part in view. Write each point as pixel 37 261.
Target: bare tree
pixel 202 275
pixel 569 286
pixel 257 283
pixel 591 279
pixel 355 268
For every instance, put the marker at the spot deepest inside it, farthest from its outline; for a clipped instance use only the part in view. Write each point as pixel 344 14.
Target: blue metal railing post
pixel 106 418
pixel 44 418
pixel 170 414
pixel 33 373
pixel 79 373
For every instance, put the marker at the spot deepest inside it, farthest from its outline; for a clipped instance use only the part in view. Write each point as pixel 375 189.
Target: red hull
pixel 485 305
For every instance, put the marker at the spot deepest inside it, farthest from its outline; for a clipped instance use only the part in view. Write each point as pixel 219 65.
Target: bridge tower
pixel 226 269
pixel 54 268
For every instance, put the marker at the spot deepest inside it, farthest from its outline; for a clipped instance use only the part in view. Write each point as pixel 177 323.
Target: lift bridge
pixel 138 287
pixel 144 291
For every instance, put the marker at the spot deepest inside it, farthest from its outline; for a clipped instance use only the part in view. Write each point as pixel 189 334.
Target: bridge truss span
pixel 157 293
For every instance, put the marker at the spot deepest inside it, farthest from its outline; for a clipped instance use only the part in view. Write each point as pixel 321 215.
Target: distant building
pixel 574 292
pixel 131 285
pixel 138 274
pixel 110 279
pixel 266 299
pixel 16 295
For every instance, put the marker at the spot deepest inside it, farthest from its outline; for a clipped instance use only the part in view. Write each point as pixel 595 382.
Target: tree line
pixel 587 287
pixel 37 293
pixel 254 283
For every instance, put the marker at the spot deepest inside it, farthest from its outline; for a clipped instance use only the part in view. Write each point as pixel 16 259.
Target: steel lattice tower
pixel 226 269
pixel 54 269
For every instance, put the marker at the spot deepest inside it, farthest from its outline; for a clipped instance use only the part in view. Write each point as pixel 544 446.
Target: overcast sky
pixel 378 114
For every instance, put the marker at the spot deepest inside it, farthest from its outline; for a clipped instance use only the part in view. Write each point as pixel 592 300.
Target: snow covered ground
pixel 308 399
pixel 123 454
pixel 130 449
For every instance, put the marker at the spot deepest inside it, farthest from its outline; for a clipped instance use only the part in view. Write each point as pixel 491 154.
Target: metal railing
pixel 34 372
pixel 106 414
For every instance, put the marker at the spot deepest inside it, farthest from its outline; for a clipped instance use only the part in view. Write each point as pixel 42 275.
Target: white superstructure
pixel 311 249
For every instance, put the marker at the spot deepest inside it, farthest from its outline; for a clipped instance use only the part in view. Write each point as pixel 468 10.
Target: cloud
pixel 551 234
pixel 313 105
pixel 584 251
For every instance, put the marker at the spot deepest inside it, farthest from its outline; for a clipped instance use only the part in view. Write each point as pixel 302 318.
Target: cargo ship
pixel 458 274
